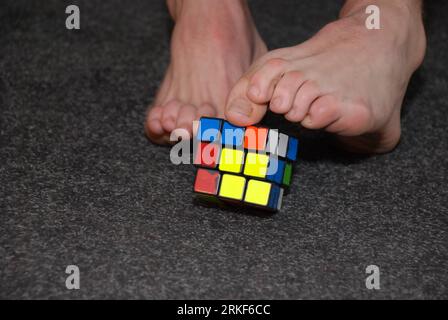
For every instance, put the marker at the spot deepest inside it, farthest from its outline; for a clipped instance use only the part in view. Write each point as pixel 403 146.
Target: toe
pixel 262 81
pixel 285 92
pixel 153 125
pixel 357 133
pixel 186 116
pixel 323 112
pixel 207 110
pixel 241 111
pixel 307 93
pixel 354 119
pixel 170 114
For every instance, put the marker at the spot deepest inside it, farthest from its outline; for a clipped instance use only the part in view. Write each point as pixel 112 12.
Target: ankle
pixel 216 22
pixel 206 8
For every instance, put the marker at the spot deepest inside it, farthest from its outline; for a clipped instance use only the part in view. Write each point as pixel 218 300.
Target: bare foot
pixel 347 79
pixel 213 43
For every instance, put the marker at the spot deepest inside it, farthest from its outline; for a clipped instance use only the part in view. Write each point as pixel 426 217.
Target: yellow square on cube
pixel 231 160
pixel 232 187
pixel 258 192
pixel 256 165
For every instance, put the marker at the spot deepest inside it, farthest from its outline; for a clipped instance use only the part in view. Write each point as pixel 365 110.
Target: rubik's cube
pixel 249 166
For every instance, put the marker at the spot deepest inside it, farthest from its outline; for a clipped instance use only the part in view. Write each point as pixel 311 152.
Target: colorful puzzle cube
pixel 250 166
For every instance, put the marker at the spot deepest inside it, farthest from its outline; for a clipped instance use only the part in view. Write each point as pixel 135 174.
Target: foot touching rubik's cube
pixel 250 166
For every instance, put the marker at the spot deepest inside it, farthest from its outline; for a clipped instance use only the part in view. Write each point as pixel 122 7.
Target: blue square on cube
pixel 232 135
pixel 293 147
pixel 274 197
pixel 275 175
pixel 209 129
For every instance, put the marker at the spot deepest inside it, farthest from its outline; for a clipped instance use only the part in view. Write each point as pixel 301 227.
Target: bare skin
pixel 347 80
pixel 208 55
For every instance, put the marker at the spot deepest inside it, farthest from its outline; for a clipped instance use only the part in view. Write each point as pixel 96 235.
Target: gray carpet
pixel 80 184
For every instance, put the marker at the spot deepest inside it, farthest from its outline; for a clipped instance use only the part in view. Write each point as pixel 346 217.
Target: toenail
pixel 307 121
pixel 254 91
pixel 276 102
pixel 242 107
pixel 291 114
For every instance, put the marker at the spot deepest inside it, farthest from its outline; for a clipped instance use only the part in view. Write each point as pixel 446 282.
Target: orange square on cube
pixel 255 138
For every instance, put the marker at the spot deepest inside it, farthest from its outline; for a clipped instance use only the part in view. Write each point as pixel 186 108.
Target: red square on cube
pixel 207 155
pixel 207 181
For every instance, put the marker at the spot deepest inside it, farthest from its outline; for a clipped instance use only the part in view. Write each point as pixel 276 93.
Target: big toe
pixel 239 109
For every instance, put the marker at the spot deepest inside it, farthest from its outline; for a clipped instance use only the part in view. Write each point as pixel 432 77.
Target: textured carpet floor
pixel 80 184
